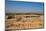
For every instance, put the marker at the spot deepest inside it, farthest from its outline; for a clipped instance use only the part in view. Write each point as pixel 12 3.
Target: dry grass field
pixel 25 22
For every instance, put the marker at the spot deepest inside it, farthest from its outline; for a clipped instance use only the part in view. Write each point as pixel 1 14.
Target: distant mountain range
pixel 23 13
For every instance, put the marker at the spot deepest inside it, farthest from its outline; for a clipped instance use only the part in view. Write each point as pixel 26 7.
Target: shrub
pixel 10 17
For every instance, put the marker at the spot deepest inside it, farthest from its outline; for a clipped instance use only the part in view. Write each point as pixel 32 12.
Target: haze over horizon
pixel 24 7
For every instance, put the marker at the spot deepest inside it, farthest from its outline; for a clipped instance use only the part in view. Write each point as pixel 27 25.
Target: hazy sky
pixel 23 7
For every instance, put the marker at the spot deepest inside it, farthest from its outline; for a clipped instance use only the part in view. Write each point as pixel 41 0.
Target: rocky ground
pixel 24 23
